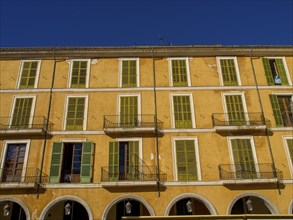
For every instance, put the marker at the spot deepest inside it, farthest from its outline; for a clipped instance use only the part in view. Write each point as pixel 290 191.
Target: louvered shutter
pixel 28 74
pixel 182 112
pixel 229 74
pixel 78 75
pixel 179 73
pixel 75 113
pixel 276 111
pixel 87 162
pixel 235 110
pixel 290 147
pixel 113 161
pixel 268 71
pixel 282 71
pixel 129 73
pixel 128 111
pixel 134 160
pixel 22 113
pixel 56 160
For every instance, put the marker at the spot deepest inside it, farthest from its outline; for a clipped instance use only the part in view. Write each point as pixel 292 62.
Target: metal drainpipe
pixel 47 125
pixel 263 118
pixel 156 126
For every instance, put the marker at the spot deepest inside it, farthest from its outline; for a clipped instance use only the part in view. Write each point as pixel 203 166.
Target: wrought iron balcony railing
pixel 248 171
pixel 131 173
pixel 23 175
pixel 25 123
pixel 239 119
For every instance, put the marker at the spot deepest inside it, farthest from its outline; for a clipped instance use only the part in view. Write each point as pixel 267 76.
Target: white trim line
pixel 236 69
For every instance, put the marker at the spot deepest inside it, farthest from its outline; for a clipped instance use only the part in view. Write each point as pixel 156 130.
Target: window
pixel 22 113
pixel 187 166
pixel 179 72
pixel 29 74
pixel 229 72
pixel 129 111
pixel 72 162
pixel 243 158
pixel 129 73
pixel 76 114
pixel 183 111
pixel 79 73
pixel 235 109
pixel 275 71
pixel 124 161
pixel 282 106
pixel 289 150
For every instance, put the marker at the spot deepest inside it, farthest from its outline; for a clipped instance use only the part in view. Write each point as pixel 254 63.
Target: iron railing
pixel 132 121
pixel 31 122
pixel 239 119
pixel 248 171
pixel 23 175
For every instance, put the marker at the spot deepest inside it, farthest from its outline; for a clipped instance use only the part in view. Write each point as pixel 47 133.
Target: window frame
pixel 281 94
pixel 191 110
pixel 140 143
pixel 288 156
pixel 87 73
pixel 195 139
pixel 85 111
pixel 120 72
pixel 37 73
pixel 138 95
pixel 218 59
pixel 4 154
pixel 171 70
pixel 286 70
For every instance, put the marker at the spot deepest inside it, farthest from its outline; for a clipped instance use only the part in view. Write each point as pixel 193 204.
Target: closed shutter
pixel 282 71
pixel 129 73
pixel 78 75
pixel 134 168
pixel 128 111
pixel 22 113
pixel 268 71
pixel 55 170
pixel 113 161
pixel 276 111
pixel 75 113
pixel 182 112
pixel 290 147
pixel 87 162
pixel 229 74
pixel 235 110
pixel 28 74
pixel 243 158
pixel 186 160
pixel 179 73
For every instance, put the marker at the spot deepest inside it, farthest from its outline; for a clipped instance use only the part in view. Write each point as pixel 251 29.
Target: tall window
pixel 282 106
pixel 71 162
pixel 235 110
pixel 182 111
pixel 79 73
pixel 22 113
pixel 289 143
pixel 229 71
pixel 128 111
pixel 29 74
pixel 75 118
pixel 180 71
pixel 124 160
pixel 186 160
pixel 275 71
pixel 129 73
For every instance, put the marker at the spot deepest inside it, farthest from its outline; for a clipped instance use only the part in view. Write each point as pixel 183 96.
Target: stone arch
pixel 290 209
pixel 20 203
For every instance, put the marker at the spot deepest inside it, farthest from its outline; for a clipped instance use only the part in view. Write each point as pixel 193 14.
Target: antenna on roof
pixel 163 42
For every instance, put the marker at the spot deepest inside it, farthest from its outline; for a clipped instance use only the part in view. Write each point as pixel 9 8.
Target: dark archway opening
pixel 189 206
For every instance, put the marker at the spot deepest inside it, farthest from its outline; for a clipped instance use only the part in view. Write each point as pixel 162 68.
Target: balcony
pixel 247 173
pixel 134 125
pixel 21 178
pixel 240 123
pixel 19 127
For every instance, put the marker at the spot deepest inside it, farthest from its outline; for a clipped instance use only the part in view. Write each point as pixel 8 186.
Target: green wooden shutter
pixel 28 74
pixel 129 73
pixel 282 71
pixel 182 112
pixel 276 111
pixel 268 71
pixel 78 75
pixel 229 74
pixel 128 111
pixel 179 73
pixel 290 147
pixel 186 160
pixel 22 113
pixel 235 110
pixel 87 162
pixel 75 113
pixel 113 161
pixel 55 170
pixel 134 168
pixel 243 158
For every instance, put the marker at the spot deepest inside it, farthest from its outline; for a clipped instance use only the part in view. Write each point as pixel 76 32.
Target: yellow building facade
pixel 100 133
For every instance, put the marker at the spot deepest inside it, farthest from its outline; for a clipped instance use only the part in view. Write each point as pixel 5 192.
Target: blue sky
pixel 129 23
